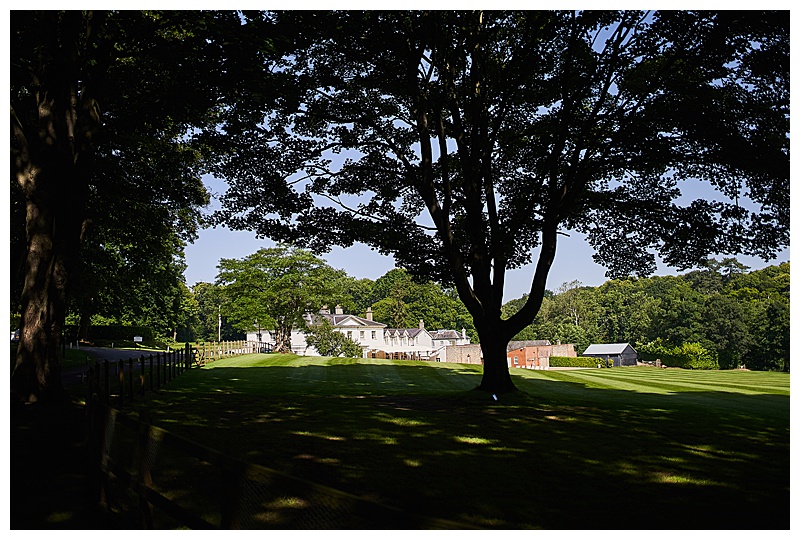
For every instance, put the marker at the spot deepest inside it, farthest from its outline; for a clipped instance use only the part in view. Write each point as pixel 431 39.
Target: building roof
pixel 412 332
pixel 344 320
pixel 521 344
pixel 445 334
pixel 607 348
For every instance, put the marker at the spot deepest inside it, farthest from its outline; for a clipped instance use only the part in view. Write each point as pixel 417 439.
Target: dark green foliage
pixel 101 105
pixel 274 287
pixel 330 342
pixel 112 333
pixel 737 318
pixel 687 355
pixel 580 361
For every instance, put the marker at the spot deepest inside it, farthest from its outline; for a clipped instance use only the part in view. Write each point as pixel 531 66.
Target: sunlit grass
pixel 564 452
pixel 471 440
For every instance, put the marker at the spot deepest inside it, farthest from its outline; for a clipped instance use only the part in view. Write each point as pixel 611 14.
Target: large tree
pixel 274 287
pixel 463 143
pixel 101 106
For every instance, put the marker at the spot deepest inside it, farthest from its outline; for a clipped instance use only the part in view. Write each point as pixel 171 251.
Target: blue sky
pixel 573 257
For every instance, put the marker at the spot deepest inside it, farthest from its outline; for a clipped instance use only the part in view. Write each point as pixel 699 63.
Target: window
pixel 373 334
pixel 349 334
pixel 516 361
pixel 361 334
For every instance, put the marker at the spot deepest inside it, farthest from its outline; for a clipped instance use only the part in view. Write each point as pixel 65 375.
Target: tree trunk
pixel 37 373
pixel 86 317
pixel 496 378
pixel 283 339
pixel 49 161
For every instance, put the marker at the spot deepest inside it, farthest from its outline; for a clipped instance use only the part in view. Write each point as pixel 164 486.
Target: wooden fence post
pixel 145 477
pixel 142 372
pixel 130 374
pixel 151 372
pixel 97 440
pixel 121 377
pixel 107 381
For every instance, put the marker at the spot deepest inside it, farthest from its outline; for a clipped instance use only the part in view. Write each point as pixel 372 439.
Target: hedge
pixel 115 332
pixel 580 361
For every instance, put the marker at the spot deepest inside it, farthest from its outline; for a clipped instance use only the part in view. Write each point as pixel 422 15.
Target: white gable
pixel 349 321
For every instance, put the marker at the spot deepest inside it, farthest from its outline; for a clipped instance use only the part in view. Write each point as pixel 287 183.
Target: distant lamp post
pixel 219 322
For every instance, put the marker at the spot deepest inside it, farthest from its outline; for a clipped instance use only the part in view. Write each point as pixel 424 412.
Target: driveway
pixel 74 374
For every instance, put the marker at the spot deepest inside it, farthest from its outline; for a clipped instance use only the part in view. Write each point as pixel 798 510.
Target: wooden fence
pixel 212 350
pixel 121 381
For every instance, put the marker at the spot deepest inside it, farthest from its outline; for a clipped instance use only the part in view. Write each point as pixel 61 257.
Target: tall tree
pixel 506 128
pixel 101 104
pixel 274 287
pixel 213 325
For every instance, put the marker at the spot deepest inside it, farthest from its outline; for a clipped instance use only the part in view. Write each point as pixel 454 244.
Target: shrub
pixel 689 355
pixel 580 361
pixel 330 342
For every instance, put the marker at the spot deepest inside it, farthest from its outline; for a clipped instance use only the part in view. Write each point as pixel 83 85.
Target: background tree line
pixel 274 287
pixel 739 317
pixel 734 316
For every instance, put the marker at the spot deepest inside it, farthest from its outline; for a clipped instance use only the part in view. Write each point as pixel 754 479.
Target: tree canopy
pixel 739 319
pixel 274 287
pixel 105 181
pixel 463 143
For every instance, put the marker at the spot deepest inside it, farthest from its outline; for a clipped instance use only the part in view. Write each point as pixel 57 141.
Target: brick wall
pixel 462 354
pixel 568 349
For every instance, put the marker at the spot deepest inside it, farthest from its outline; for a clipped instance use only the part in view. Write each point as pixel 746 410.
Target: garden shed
pixel 620 354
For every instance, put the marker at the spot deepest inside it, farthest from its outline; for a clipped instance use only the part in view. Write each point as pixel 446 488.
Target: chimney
pixel 369 313
pixel 463 333
pixel 421 324
pixel 325 311
pixel 339 310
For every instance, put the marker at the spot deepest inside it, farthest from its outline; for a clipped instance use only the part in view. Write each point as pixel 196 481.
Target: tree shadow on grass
pixel 556 455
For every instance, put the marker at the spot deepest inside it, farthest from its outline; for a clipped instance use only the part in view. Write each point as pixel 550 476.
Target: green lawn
pixel 587 449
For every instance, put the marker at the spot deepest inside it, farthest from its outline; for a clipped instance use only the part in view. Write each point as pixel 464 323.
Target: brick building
pixel 536 354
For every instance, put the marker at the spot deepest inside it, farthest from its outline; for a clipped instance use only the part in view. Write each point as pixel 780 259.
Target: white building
pixel 376 340
pixel 444 338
